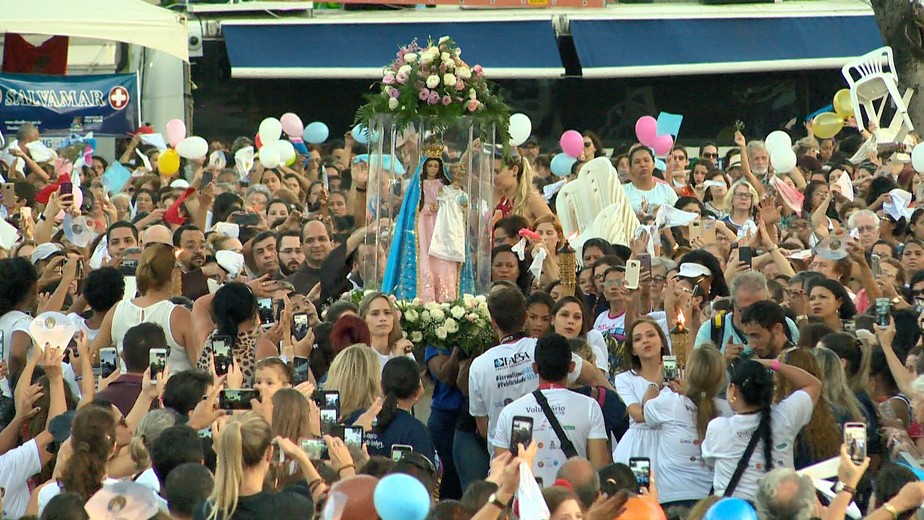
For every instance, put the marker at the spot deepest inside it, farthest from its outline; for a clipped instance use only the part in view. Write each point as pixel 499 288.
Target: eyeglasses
pixel 710 155
pixel 614 283
pixel 658 279
pixel 743 195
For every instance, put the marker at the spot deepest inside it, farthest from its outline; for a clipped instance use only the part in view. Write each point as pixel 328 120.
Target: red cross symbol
pixel 118 97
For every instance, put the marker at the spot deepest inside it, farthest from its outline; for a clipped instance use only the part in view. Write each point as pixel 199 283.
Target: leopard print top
pixel 244 352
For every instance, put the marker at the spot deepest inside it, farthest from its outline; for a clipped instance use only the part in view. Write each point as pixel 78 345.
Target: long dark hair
pixel 585 316
pixel 632 360
pixel 400 380
pixel 525 280
pixel 423 176
pixel 93 436
pixel 234 304
pixel 19 277
pixel 755 385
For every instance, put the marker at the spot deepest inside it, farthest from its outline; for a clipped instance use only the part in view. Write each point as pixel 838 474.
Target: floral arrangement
pixel 464 323
pixel 434 83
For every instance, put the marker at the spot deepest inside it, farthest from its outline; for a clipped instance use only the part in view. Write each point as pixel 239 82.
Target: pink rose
pixel 447 100
pixel 472 105
pixel 389 79
pixel 401 78
pixel 460 85
pixel 434 98
pixel 424 94
pixel 401 55
pixel 393 92
pixel 478 70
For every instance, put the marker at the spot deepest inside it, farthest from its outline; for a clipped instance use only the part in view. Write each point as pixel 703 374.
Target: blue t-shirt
pixel 404 429
pixel 445 398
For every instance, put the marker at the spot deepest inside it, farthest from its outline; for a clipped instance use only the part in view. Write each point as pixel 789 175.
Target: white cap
pixel 179 183
pixel 693 270
pixel 43 251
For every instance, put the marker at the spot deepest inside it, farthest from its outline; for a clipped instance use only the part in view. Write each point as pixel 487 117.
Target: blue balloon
pixel 731 507
pixel 316 133
pixel 561 164
pixel 361 134
pixel 401 497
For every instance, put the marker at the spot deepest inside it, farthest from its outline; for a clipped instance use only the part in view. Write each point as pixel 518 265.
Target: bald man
pixel 583 478
pixel 155 234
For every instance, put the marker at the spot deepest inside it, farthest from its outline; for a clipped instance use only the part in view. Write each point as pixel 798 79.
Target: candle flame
pixel 681 319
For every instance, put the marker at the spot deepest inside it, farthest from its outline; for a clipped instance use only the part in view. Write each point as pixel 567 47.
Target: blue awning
pixel 355 49
pixel 709 45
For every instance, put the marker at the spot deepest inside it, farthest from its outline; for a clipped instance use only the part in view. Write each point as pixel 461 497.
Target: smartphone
pixel 79 269
pixel 745 254
pixel 338 431
pixel 247 219
pixel 300 325
pixel 327 399
pixel 316 449
pixel 128 267
pixel 708 236
pixel 8 192
pixel 669 367
pixel 353 436
pixel 265 308
pixel 107 361
pixel 633 270
pixel 883 308
pixel 278 307
pixel 398 451
pixel 521 432
pixel 66 188
pixel 157 358
pixel 279 456
pixel 874 265
pixel 2 347
pixel 328 420
pixel 641 468
pixel 236 399
pixel 299 369
pixel 695 230
pixel 206 180
pixel 644 259
pixel 849 326
pixel 855 439
pixel 221 350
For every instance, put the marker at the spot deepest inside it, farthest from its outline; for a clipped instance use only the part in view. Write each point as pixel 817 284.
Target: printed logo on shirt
pixel 515 378
pixel 515 359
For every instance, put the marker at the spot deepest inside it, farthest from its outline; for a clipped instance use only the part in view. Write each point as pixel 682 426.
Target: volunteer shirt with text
pixel 502 375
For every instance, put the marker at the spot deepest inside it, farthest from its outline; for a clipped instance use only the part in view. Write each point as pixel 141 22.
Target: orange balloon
pixel 642 508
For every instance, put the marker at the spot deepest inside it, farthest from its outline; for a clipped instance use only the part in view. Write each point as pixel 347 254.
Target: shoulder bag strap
pixel 743 463
pixel 566 445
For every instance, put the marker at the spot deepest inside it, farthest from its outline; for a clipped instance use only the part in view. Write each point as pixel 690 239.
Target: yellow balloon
pixel 169 162
pixel 843 106
pixel 827 125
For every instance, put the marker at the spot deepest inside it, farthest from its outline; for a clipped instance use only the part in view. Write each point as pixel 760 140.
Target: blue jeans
pixel 442 425
pixel 471 457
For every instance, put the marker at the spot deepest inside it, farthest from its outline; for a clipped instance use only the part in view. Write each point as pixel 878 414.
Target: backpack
pixel 717 328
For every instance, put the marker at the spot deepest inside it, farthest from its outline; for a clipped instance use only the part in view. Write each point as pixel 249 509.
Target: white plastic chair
pixel 874 84
pixel 601 179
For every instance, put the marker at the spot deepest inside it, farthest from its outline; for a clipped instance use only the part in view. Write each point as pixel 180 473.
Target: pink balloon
pixel 646 130
pixel 176 131
pixel 292 124
pixel 572 143
pixel 662 144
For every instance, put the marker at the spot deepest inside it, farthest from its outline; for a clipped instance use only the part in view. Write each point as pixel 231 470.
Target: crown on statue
pixel 433 150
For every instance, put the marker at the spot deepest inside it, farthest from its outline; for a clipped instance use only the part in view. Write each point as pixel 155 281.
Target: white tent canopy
pixel 127 21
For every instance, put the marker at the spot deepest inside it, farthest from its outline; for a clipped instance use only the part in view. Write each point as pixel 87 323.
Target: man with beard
pixel 289 250
pixel 315 245
pixel 263 254
pixel 190 243
pixel 120 236
pixel 758 159
pixel 764 323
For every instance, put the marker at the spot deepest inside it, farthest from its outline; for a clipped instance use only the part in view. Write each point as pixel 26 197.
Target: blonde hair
pixel 705 377
pixel 835 389
pixel 155 269
pixel 730 196
pixel 524 184
pixel 356 374
pixel 243 443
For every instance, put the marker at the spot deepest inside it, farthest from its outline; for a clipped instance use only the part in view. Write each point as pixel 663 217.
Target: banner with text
pixel 105 104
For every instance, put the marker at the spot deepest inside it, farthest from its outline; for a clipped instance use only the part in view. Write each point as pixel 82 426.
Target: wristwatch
pixel 496 501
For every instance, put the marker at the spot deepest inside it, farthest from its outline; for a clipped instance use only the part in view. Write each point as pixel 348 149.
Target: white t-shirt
pixel 580 418
pixel 53 489
pixel 82 325
pixel 598 345
pixel 680 470
pixel 502 375
pixel 16 466
pixel 615 326
pixel 660 194
pixel 728 437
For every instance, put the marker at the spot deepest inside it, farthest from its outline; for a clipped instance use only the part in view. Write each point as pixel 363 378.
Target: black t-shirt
pixel 404 429
pixel 289 504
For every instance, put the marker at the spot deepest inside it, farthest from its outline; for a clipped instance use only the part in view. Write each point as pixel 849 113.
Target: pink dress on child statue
pixel 438 279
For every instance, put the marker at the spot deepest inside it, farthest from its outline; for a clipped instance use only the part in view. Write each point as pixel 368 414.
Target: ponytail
pixel 243 443
pixel 92 440
pixel 139 454
pixel 755 386
pixel 705 375
pixel 765 426
pixel 400 380
pixel 388 412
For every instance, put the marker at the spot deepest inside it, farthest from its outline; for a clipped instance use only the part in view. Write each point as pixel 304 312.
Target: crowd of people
pixel 219 373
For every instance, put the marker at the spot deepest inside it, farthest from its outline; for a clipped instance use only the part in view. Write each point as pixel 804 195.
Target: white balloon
pixel 520 127
pixel 286 151
pixel 269 155
pixel 270 130
pixel 917 158
pixel 193 147
pixel 778 139
pixel 783 160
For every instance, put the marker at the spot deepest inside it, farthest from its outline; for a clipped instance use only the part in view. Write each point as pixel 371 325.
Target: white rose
pixel 449 64
pixel 416 336
pixel 443 39
pixel 444 56
pixel 435 52
pixel 451 326
pixel 472 95
pixel 444 306
pixel 425 316
pixel 464 72
pixel 449 80
pixel 431 305
pixel 433 81
pixel 415 301
pixel 407 69
pixel 437 314
pixel 480 298
pixel 458 52
pixel 411 315
pixel 426 58
pixel 392 103
pixel 441 332
pixel 457 312
pixel 410 57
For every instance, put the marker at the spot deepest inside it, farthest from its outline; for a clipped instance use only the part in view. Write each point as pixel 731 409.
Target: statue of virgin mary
pixel 417 266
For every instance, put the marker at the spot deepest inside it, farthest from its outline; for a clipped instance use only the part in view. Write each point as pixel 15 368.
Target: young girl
pixel 272 375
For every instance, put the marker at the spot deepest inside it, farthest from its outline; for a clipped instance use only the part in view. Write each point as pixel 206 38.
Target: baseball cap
pixel 531 141
pixel 693 270
pixel 179 183
pixel 43 251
